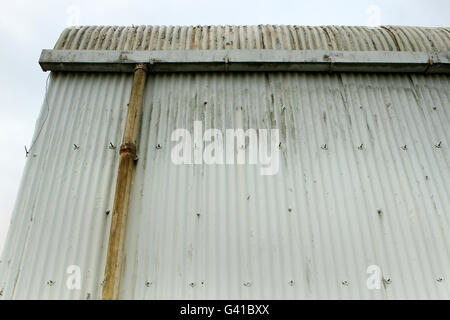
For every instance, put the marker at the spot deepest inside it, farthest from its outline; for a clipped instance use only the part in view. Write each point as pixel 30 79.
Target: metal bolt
pixel 291 283
pixel 148 284
pixel 404 147
pixel 387 281
pixel 361 146
pixel 50 282
pixel 192 284
pixel 75 147
pixel 345 283
pixel 379 212
pixel 440 279
pixel 111 146
pixel 248 284
pixel 438 145
pixel 158 146
pixel 324 147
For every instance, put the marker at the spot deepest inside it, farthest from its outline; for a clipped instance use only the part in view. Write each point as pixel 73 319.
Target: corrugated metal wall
pixel 225 231
pixel 311 231
pixel 68 185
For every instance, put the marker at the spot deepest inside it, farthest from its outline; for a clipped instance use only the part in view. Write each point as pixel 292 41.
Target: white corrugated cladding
pixel 310 231
pixel 59 217
pixel 225 231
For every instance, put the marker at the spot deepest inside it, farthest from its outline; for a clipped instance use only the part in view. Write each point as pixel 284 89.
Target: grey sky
pixel 27 27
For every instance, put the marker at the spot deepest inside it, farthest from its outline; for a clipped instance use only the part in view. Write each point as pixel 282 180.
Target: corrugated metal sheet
pixel 224 231
pixel 68 185
pixel 385 38
pixel 311 231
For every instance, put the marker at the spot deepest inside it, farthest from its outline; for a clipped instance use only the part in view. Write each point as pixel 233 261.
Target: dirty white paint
pixel 340 38
pixel 312 230
pixel 223 231
pixel 59 219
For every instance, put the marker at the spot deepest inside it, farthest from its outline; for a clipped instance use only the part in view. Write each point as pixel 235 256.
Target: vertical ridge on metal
pixel 127 163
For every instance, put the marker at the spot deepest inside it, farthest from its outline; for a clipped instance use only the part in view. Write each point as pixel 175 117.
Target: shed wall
pixel 225 231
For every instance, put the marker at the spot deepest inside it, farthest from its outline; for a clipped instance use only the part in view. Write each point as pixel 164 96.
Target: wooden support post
pixel 125 174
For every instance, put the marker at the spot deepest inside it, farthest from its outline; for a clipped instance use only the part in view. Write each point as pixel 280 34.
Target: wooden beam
pixel 127 164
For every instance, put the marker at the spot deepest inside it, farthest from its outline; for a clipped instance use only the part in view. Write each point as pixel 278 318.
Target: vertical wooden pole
pixel 127 163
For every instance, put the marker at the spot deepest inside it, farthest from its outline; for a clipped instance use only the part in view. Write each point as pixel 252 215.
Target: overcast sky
pixel 27 27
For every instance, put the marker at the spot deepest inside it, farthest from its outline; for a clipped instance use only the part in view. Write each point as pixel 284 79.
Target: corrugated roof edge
pixel 289 37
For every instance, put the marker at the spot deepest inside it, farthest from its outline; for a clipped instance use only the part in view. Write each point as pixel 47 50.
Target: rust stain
pixel 392 36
